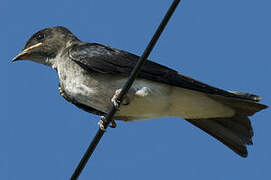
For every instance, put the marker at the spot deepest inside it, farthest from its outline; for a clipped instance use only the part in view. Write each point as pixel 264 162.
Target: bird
pixel 91 76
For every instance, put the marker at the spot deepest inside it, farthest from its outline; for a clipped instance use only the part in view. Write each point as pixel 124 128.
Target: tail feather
pixel 235 132
pixel 223 134
pixel 248 96
pixel 244 132
pixel 241 106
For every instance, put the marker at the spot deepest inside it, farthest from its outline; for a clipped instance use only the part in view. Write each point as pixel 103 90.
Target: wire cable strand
pixel 124 90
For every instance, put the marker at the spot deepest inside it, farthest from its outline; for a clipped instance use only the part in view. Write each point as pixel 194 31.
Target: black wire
pixel 125 89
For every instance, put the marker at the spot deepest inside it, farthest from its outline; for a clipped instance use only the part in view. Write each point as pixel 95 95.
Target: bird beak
pixel 24 54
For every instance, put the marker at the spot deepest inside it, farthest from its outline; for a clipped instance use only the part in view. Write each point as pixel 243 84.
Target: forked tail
pixel 235 132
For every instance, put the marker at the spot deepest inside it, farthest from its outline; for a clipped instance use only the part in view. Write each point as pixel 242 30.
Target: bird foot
pixel 101 123
pixel 116 102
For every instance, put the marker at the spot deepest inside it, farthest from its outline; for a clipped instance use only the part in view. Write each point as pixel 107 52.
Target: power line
pixel 125 89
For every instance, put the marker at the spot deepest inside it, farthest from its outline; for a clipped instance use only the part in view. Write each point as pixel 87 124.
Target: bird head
pixel 44 45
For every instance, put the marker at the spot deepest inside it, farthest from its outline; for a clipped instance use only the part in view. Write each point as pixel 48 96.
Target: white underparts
pixel 149 99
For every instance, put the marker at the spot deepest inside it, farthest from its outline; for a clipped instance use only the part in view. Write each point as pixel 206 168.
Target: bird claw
pixel 101 123
pixel 116 102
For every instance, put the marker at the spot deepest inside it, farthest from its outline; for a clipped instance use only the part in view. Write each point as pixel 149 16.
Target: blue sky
pixel 223 43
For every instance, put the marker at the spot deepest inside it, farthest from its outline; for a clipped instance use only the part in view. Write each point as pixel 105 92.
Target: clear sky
pixel 224 43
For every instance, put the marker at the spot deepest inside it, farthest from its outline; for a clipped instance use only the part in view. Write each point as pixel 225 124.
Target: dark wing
pixel 104 59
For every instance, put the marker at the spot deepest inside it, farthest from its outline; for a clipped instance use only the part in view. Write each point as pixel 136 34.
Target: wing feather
pixel 104 59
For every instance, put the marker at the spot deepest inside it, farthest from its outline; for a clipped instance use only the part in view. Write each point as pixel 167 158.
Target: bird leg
pixel 101 123
pixel 126 100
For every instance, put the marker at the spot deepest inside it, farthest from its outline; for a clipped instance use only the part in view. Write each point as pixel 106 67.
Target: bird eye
pixel 40 37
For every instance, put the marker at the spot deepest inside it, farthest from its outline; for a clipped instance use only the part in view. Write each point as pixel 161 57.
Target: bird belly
pixel 190 104
pixel 149 99
pixel 170 101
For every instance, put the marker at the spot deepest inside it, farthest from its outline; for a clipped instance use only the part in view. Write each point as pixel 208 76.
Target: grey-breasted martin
pixel 91 74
